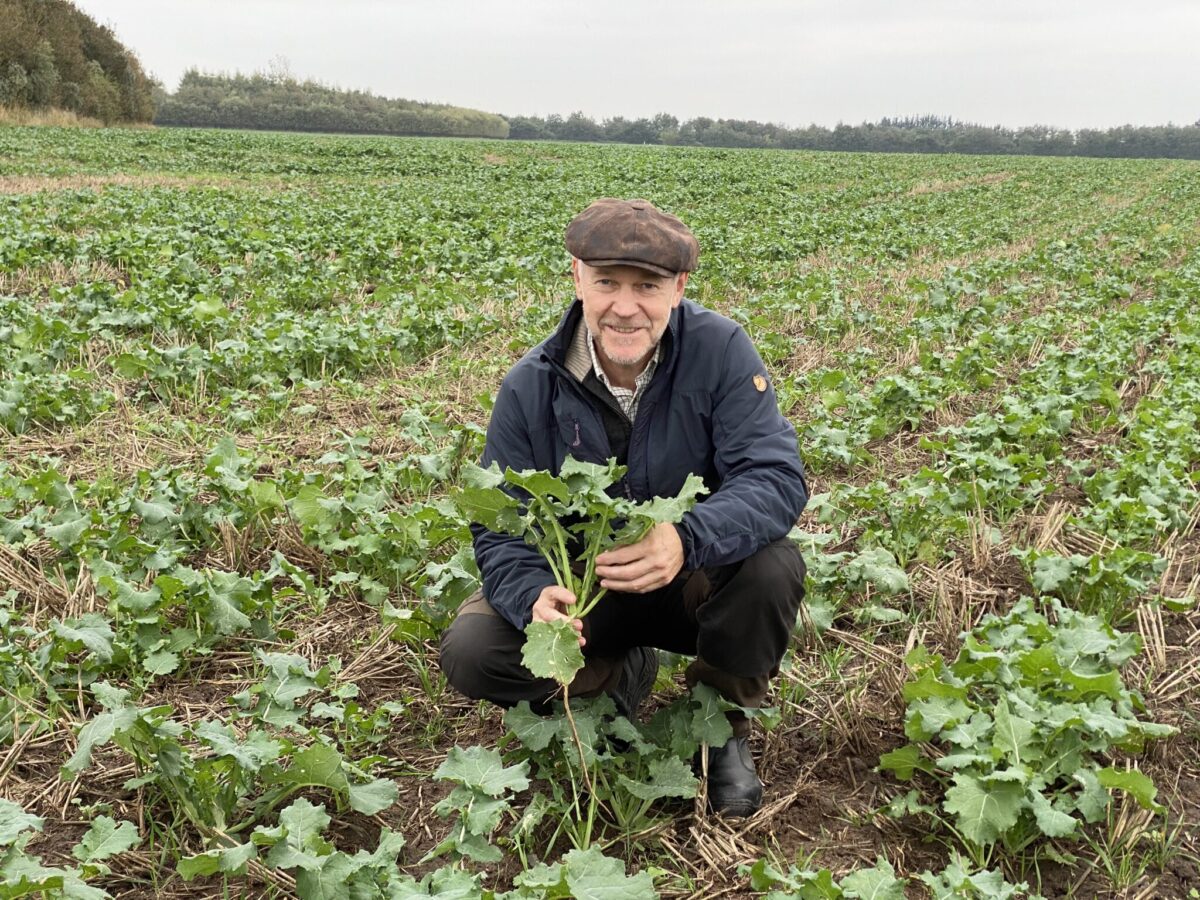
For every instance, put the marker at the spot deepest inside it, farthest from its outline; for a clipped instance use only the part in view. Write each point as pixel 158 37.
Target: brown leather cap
pixel 614 232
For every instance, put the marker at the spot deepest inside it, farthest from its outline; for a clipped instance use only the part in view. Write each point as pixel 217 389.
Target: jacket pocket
pixel 581 436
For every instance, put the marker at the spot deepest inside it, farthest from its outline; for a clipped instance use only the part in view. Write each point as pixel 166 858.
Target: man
pixel 669 388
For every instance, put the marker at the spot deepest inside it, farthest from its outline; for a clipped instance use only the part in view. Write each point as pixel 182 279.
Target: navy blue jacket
pixel 709 409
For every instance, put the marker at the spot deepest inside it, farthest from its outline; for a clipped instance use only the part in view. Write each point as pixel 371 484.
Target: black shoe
pixel 733 785
pixel 638 672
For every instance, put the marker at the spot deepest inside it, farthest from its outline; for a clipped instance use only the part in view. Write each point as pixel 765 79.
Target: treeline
pixel 280 102
pixel 918 134
pixel 52 56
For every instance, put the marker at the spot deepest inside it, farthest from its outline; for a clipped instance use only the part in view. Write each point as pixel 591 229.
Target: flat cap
pixel 614 232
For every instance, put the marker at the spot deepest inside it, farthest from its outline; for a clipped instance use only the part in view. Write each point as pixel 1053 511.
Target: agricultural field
pixel 241 376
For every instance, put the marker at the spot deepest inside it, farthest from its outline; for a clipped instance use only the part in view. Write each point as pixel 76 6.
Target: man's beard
pixel 622 356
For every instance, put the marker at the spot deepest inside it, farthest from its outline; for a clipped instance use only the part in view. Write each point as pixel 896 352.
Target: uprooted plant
pixel 557 515
pixel 571 519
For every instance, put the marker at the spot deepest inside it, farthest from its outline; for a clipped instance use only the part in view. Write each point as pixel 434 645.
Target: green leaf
pixel 984 811
pixel 154 513
pixel 764 876
pixel 543 878
pixel 303 820
pixel 821 613
pixel 162 662
pixel 110 696
pixel 318 765
pixel 1108 684
pixel 66 534
pixel 321 765
pixel 710 725
pixel 206 307
pixel 385 853
pixel 128 598
pixel 331 881
pixel 1040 664
pixel 266 495
pixel 533 731
pixel 229 860
pixel 251 753
pixel 478 477
pixel 1092 802
pixel 476 847
pixel 92 631
pixel 927 717
pixel 444 884
pixel 539 483
pixel 309 509
pixel 14 820
pixel 928 686
pixel 1132 782
pixel 666 777
pixel 480 814
pixel 551 650
pixel 672 509
pixel 127 365
pixel 75 888
pixel 877 883
pixel 105 838
pixel 590 479
pixel 290 678
pixel 1053 823
pixel 484 770
pixel 1013 736
pixel 904 761
pixel 593 876
pixel 224 617
pixel 373 796
pixel 970 732
pixel 955 882
pixel 877 567
pixel 300 826
pixel 1051 571
pixel 492 508
pixel 97 732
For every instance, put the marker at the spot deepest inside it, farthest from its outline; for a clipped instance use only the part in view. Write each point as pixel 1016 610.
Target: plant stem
pixel 591 603
pixel 590 572
pixel 546 516
pixel 587 778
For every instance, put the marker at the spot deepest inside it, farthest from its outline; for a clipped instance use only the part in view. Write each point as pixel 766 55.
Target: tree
pixel 14 86
pixel 43 76
pixel 47 48
pixel 100 98
pixel 526 128
pixel 579 127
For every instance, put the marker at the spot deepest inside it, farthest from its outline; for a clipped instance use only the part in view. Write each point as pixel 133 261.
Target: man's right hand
pixel 551 605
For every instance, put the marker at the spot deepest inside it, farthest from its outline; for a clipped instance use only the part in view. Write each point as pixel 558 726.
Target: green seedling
pixel 1025 716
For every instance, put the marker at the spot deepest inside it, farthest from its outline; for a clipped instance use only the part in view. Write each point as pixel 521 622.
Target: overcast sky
pixel 1078 63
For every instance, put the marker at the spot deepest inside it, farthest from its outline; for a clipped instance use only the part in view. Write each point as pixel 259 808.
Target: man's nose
pixel 625 303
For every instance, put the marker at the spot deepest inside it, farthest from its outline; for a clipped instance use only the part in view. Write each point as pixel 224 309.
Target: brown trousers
pixel 735 619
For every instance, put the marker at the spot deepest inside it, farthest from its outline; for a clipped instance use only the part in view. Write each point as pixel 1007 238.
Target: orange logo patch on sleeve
pixel 760 383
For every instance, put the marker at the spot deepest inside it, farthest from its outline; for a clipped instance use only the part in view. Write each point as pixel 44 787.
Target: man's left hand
pixel 650 564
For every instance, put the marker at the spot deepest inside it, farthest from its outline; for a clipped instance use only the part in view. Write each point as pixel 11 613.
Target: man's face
pixel 627 310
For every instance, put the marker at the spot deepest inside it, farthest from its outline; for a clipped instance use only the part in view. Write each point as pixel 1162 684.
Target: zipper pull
pixel 578 440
